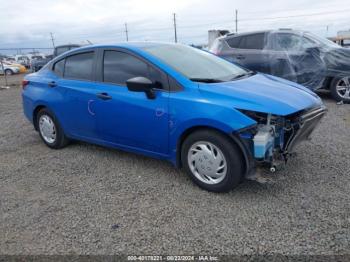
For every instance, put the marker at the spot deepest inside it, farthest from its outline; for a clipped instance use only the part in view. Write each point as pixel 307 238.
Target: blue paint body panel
pixel 153 127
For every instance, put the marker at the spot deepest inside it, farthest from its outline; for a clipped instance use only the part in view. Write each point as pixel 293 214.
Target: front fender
pixel 202 113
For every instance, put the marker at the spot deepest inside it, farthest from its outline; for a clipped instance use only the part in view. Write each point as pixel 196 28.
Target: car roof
pixel 136 46
pixel 139 44
pixel 264 31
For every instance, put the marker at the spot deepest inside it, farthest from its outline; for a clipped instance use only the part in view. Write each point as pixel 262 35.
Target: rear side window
pixel 233 42
pixel 118 67
pixel 58 67
pixel 79 66
pixel 255 41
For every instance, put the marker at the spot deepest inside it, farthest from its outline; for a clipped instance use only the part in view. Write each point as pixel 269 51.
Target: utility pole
pixel 236 21
pixel 175 28
pixel 53 40
pixel 126 32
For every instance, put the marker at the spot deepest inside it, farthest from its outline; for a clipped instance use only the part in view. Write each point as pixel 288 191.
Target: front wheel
pixel 212 160
pixel 340 89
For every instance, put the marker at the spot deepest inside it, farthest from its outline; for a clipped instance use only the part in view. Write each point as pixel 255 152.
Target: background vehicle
pixel 37 64
pixel 8 69
pixel 298 56
pixel 169 101
pixel 22 69
pixel 23 60
pixel 64 48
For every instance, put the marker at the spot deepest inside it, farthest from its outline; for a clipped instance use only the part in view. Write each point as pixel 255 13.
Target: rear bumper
pixel 27 107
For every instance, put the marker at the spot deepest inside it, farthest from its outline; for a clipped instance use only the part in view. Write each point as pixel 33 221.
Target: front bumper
pixel 304 125
pixel 291 130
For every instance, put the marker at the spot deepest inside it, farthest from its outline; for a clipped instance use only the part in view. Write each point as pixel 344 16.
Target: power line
pixel 263 18
pixel 140 31
pixel 293 16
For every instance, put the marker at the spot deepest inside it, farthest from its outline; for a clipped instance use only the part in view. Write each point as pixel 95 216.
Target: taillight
pixel 24 83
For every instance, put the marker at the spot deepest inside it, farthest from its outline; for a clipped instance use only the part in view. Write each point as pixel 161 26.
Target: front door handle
pixel 52 84
pixel 240 57
pixel 104 96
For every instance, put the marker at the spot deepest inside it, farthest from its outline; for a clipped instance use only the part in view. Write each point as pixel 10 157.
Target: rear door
pixel 252 53
pixel 229 49
pixel 249 51
pixel 77 81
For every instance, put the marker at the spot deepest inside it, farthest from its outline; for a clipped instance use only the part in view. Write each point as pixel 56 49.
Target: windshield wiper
pixel 249 73
pixel 206 80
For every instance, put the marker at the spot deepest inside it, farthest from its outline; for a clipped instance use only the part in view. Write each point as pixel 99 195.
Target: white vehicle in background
pixel 23 60
pixel 8 69
pixel 27 59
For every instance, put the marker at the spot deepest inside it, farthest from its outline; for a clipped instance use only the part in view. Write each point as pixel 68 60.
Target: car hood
pixel 262 93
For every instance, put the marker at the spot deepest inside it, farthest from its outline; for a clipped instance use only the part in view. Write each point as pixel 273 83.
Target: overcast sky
pixel 29 23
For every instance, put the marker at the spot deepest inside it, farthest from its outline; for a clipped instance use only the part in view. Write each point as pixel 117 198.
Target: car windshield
pixel 195 64
pixel 321 40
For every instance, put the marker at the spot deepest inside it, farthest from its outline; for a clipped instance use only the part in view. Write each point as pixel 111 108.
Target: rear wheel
pixel 212 160
pixel 340 89
pixel 50 131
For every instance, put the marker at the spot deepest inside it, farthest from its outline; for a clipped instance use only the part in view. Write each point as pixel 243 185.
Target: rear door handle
pixel 104 96
pixel 52 84
pixel 240 57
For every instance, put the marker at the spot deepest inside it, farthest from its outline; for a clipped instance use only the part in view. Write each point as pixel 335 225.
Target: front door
pixel 126 118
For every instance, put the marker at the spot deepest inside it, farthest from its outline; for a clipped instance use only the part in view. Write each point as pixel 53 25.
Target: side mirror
pixel 141 84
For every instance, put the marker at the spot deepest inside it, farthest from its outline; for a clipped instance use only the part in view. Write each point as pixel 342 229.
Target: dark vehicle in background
pixel 64 48
pixel 39 63
pixel 298 56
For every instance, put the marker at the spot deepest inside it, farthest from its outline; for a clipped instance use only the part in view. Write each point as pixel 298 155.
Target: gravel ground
pixel 86 199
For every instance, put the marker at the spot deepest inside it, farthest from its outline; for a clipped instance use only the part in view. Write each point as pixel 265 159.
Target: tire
pixel 340 89
pixel 49 130
pixel 200 155
pixel 8 72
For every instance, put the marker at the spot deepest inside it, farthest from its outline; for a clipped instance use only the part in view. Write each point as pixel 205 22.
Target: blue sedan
pixel 216 120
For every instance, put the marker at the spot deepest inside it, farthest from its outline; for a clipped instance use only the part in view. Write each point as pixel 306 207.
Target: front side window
pixel 79 66
pixel 118 67
pixel 320 40
pixel 288 42
pixel 255 41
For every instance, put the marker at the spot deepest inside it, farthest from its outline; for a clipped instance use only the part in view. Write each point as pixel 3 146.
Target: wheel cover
pixel 207 162
pixel 343 87
pixel 47 129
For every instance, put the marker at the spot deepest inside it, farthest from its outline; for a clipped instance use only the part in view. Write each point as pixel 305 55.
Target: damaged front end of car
pixel 273 139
